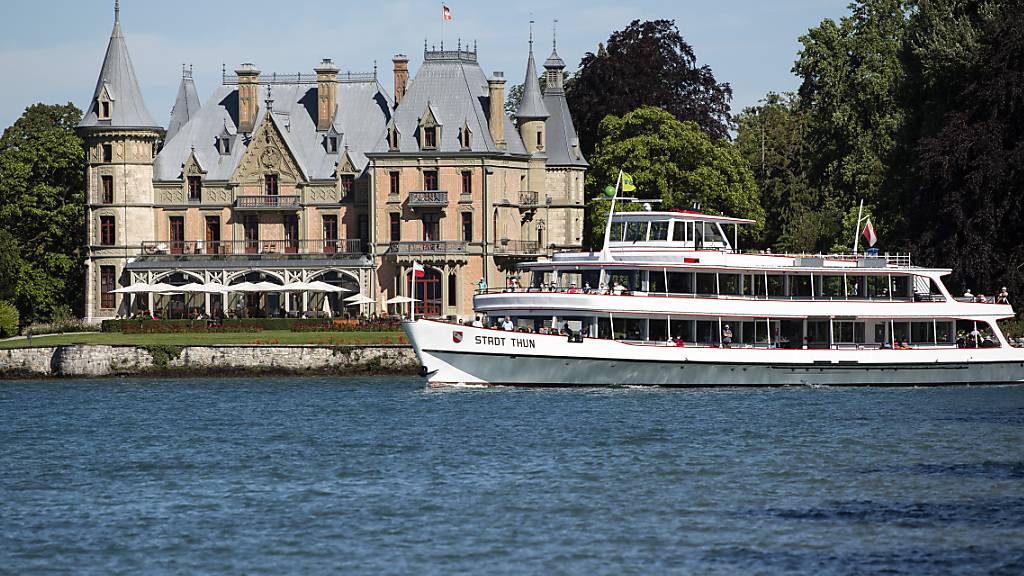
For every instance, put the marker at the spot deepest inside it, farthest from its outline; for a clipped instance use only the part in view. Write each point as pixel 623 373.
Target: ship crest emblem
pixel 457 337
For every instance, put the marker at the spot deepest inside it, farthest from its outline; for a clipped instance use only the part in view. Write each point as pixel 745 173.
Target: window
pixel 330 232
pixel 107 183
pixel 659 231
pixel 251 228
pixel 213 234
pixel 678 231
pixel 104 111
pixel 363 225
pixel 430 180
pixel 467 182
pixel 453 285
pixel 430 137
pixel 396 227
pixel 540 140
pixel 270 184
pixel 332 144
pixel 177 228
pixel 107 236
pixel 195 189
pixel 108 153
pixel 636 231
pixel 291 234
pixel 431 226
pixel 224 145
pixel 467 226
pixel 107 297
pixel 465 138
pixel 348 181
pixel 394 182
pixel 393 139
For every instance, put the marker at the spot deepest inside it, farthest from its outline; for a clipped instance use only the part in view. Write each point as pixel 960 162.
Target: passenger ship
pixel 657 306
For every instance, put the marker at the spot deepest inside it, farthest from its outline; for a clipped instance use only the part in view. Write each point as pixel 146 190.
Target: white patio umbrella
pixel 192 288
pixel 358 299
pixel 138 288
pixel 243 287
pixel 327 307
pixel 319 286
pixel 215 288
pixel 162 288
pixel 400 300
pixel 296 287
pixel 267 287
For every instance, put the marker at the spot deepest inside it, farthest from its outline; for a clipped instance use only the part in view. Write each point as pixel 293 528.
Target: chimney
pixel 248 97
pixel 401 63
pixel 496 121
pixel 326 94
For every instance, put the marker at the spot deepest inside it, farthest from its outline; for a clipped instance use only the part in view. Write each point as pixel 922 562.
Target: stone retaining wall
pixel 91 361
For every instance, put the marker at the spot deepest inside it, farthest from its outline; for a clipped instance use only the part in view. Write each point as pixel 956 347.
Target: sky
pixel 52 51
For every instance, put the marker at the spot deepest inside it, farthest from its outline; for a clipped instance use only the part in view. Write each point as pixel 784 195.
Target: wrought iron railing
pixel 528 198
pixel 517 247
pixel 428 247
pixel 274 78
pixel 228 248
pixel 428 198
pixel 267 202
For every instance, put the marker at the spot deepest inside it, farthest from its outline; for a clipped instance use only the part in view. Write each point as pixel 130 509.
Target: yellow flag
pixel 627 183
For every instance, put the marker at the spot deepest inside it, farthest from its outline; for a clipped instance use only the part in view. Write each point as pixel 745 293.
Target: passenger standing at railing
pixel 1004 297
pixel 481 286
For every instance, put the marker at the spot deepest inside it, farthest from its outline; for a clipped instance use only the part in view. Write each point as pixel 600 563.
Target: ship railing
pixel 635 293
pixel 891 259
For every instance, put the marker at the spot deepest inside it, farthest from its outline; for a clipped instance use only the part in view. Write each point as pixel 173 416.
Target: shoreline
pixel 99 361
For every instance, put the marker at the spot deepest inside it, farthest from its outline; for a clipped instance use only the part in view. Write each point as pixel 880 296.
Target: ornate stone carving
pixel 267 153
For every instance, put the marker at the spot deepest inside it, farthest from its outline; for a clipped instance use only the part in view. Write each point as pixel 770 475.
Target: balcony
pixel 528 199
pixel 428 199
pixel 268 202
pixel 197 250
pixel 428 247
pixel 524 248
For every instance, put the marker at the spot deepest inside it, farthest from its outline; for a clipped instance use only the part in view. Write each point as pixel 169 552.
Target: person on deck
pixel 726 337
pixel 1003 297
pixel 507 325
pixel 481 286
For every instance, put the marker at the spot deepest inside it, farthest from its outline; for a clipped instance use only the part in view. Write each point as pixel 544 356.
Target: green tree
pixel 646 64
pixel 42 204
pixel 675 162
pixel 851 79
pixel 772 136
pixel 10 262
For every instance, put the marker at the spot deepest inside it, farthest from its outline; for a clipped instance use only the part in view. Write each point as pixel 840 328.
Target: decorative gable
pixel 429 129
pixel 105 103
pixel 465 136
pixel 345 164
pixel 192 167
pixel 332 141
pixel 268 153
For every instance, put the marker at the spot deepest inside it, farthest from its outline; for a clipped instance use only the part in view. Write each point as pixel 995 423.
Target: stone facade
pixel 322 176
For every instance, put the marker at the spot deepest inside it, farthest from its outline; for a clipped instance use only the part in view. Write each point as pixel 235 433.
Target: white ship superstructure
pixel 672 301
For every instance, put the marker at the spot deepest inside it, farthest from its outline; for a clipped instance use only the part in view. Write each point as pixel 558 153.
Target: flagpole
pixel 608 225
pixel 856 229
pixel 412 281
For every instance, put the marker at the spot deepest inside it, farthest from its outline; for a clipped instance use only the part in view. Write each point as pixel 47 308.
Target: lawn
pixel 268 337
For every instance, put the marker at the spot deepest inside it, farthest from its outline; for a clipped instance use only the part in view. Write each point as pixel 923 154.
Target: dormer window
pixel 393 138
pixel 104 111
pixel 224 145
pixel 104 104
pixel 430 137
pixel 332 144
pixel 466 138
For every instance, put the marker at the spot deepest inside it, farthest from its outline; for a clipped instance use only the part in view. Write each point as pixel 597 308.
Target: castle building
pixel 325 176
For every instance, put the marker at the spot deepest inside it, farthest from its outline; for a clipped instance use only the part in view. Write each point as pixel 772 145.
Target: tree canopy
pixel 646 64
pixel 42 205
pixel 672 161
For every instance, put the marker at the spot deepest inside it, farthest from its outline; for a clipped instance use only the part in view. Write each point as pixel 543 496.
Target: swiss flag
pixel 869 233
pixel 417 270
pixel 446 14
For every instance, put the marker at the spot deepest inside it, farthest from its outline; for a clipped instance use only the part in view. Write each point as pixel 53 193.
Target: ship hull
pixel 453 354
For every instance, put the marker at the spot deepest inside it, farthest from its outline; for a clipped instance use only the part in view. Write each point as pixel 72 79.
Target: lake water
pixel 382 476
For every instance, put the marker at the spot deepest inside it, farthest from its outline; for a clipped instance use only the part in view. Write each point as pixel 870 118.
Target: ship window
pixel 706 283
pixel 617 228
pixel 849 332
pixel 729 284
pixel 679 232
pixel 628 278
pixel 901 286
pixel 636 231
pixel 832 286
pixel 680 282
pixel 713 234
pixel 776 285
pixel 659 231
pixel 877 287
pixel 800 286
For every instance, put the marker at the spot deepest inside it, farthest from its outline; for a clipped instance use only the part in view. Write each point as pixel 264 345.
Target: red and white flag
pixel 417 270
pixel 869 233
pixel 446 14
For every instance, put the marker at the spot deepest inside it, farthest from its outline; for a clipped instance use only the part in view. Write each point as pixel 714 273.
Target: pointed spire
pixel 531 107
pixel 118 84
pixel 554 62
pixel 186 105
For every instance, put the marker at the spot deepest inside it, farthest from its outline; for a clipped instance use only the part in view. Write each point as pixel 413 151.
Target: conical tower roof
pixel 117 79
pixel 531 107
pixel 186 105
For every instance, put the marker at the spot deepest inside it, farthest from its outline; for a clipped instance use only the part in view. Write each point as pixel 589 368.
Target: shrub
pixel 9 319
pixel 163 353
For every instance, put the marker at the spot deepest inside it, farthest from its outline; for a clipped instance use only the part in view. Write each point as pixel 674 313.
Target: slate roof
pixel 186 105
pixel 456 88
pixel 118 75
pixel 364 110
pixel 531 107
pixel 562 142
